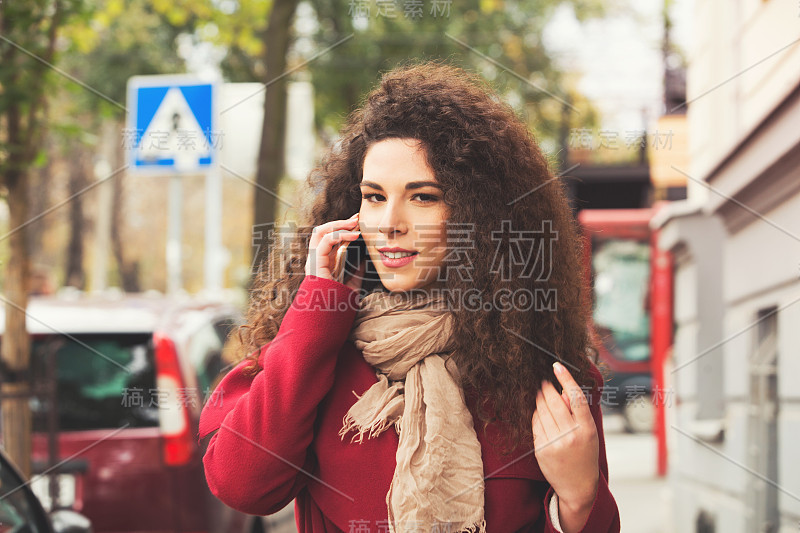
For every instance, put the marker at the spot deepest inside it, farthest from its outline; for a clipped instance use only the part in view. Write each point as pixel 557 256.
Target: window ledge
pixel 708 430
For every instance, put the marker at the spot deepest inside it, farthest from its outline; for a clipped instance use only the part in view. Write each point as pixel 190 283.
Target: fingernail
pixel 558 367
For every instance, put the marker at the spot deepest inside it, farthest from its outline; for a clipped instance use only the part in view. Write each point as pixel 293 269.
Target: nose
pixel 392 221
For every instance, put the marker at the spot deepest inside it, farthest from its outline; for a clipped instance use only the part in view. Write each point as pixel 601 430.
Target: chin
pixel 394 283
pixel 401 283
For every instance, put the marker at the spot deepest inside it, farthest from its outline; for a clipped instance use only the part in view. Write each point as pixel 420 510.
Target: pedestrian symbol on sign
pixel 174 135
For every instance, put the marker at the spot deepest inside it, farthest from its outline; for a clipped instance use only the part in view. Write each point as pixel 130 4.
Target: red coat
pixel 279 435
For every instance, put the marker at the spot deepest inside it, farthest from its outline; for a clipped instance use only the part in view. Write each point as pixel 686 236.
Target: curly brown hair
pixel 495 179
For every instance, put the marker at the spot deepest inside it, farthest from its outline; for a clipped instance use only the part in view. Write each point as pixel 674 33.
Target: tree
pixel 28 37
pixel 271 160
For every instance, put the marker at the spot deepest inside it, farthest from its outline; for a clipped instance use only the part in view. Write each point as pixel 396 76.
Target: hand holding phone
pixel 327 242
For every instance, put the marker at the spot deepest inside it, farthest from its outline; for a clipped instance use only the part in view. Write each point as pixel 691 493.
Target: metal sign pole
pixel 214 251
pixel 174 234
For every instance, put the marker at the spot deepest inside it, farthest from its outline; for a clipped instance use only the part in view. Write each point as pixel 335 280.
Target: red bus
pixel 631 283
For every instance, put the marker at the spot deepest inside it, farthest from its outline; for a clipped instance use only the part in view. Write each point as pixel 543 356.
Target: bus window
pixel 621 310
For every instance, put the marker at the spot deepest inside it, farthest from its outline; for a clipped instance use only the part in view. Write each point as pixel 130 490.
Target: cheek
pixel 431 237
pixel 441 237
pixel 435 247
pixel 367 228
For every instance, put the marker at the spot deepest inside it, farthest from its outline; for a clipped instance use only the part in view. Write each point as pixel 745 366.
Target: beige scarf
pixel 438 481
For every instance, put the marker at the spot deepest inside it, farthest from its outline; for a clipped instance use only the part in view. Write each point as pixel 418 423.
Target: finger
pixel 548 422
pixel 539 433
pixel 318 232
pixel 330 240
pixel 566 400
pixel 319 256
pixel 577 401
pixel 555 402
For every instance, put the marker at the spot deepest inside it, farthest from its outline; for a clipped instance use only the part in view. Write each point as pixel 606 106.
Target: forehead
pixel 396 161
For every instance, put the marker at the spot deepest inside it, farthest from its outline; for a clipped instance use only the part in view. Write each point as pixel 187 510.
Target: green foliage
pixel 500 39
pixel 29 46
pixel 119 40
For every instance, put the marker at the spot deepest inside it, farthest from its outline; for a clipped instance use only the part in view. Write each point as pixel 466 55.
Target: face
pixel 403 207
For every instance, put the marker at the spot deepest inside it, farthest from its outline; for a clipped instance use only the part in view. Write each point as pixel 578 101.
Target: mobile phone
pixel 348 258
pixel 338 271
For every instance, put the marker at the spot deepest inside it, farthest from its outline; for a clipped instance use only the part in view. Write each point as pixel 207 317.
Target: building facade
pixel 733 428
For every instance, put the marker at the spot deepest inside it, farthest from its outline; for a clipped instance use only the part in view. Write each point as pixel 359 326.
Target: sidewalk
pixel 642 497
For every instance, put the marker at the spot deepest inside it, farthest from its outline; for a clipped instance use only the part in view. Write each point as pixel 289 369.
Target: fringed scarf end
pixel 375 428
pixel 475 528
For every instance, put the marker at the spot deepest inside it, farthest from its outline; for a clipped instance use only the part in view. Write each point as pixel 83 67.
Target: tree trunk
pixel 23 114
pixel 78 170
pixel 128 270
pixel 271 154
pixel 39 192
pixel 16 341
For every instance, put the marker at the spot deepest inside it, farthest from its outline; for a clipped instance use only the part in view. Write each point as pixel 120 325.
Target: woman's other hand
pixel 567 447
pixel 325 241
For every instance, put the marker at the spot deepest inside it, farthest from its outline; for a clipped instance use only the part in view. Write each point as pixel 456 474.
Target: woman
pixel 452 346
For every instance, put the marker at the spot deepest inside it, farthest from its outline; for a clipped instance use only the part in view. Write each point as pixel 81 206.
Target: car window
pixel 104 380
pixel 205 349
pixel 224 328
pixel 205 352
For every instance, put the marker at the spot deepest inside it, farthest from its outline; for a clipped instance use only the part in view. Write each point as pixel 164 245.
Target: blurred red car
pixel 132 375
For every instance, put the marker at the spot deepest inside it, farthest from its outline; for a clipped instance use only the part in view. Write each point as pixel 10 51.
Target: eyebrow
pixel 409 186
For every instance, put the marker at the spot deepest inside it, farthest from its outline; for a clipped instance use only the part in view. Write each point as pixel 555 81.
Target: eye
pixel 427 198
pixel 368 196
pixel 424 198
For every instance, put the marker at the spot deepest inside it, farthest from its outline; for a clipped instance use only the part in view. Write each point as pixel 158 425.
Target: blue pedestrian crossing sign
pixel 171 125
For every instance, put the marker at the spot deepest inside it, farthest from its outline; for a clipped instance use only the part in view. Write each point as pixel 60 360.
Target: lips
pixel 397 262
pixel 395 249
